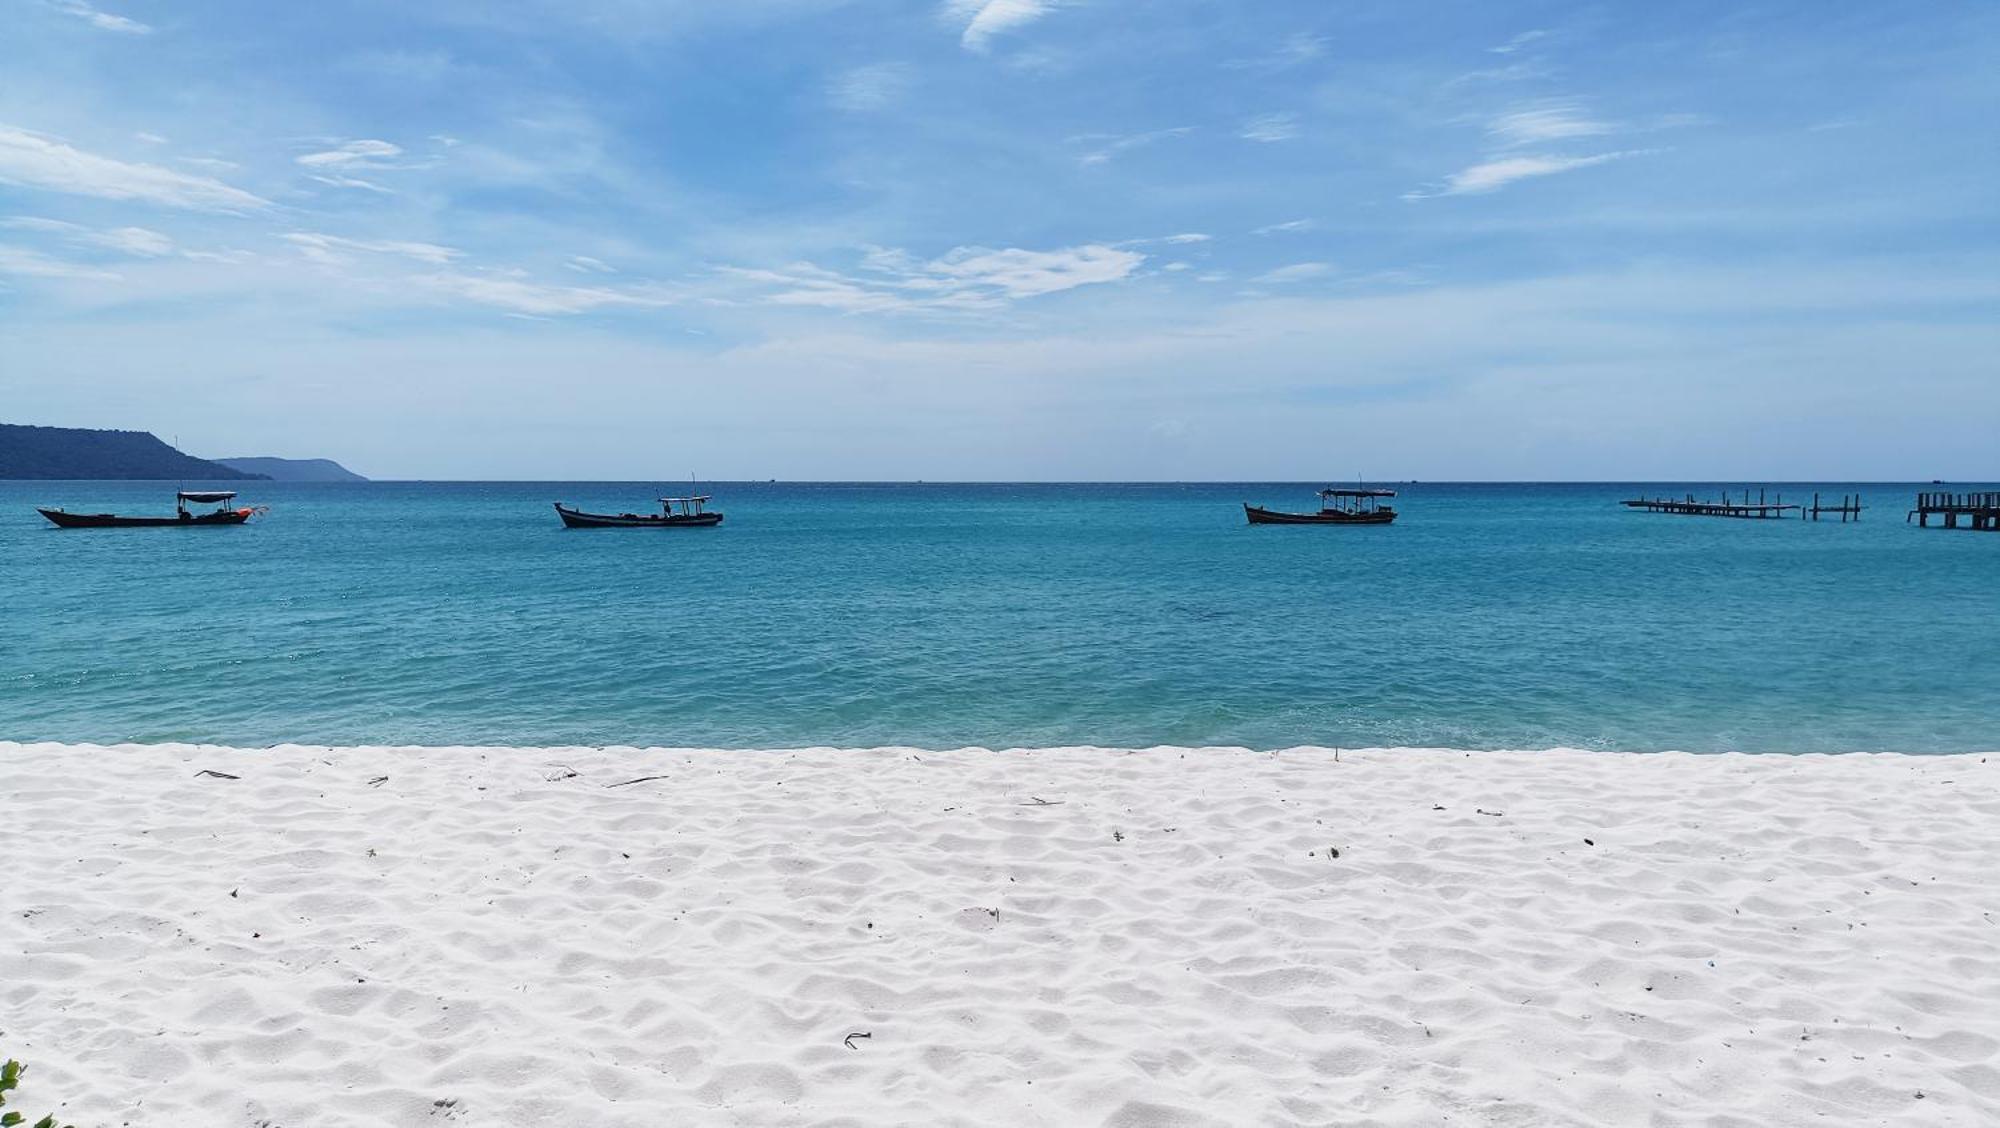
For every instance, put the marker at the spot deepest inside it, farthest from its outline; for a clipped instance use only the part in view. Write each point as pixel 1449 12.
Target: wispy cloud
pixel 1105 146
pixel 1525 71
pixel 34 264
pixel 1495 174
pixel 136 241
pixel 870 88
pixel 364 153
pixel 1542 123
pixel 103 21
pixel 984 19
pixel 32 160
pixel 1551 121
pixel 331 249
pixel 1017 273
pixel 1288 227
pixel 968 278
pixel 516 293
pixel 584 264
pixel 1297 272
pixel 1519 41
pixel 1188 237
pixel 1297 49
pixel 1271 127
pixel 353 182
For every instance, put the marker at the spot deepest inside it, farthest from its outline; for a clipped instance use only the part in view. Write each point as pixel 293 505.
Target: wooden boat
pixel 1336 507
pixel 675 513
pixel 182 518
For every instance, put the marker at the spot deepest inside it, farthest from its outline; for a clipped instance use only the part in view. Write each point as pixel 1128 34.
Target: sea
pixel 999 615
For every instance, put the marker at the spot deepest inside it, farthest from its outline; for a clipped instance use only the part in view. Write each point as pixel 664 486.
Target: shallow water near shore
pixel 1504 615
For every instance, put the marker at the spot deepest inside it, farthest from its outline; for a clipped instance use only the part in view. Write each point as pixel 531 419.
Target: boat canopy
pixel 206 497
pixel 1357 493
pixel 671 500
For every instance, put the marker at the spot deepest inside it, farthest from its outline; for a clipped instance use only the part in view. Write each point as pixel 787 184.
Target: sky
pixel 1011 239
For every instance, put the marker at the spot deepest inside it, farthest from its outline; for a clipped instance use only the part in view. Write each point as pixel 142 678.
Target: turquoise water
pixel 1003 615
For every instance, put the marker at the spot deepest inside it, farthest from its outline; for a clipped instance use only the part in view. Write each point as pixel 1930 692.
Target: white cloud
pixel 1109 145
pixel 1550 122
pixel 584 264
pixel 1190 237
pixel 517 294
pixel 364 153
pixel 135 241
pixel 354 182
pixel 1524 71
pixel 1518 42
pixel 1175 267
pixel 34 264
pixel 1497 174
pixel 32 160
pixel 103 21
pixel 150 138
pixel 968 278
pixel 984 19
pixel 1271 127
pixel 1297 272
pixel 131 240
pixel 1025 274
pixel 864 89
pixel 1288 227
pixel 330 249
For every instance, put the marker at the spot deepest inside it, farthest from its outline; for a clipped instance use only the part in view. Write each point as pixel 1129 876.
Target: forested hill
pixel 294 469
pixel 76 452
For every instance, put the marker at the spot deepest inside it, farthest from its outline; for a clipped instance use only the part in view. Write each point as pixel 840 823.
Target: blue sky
pixel 1038 239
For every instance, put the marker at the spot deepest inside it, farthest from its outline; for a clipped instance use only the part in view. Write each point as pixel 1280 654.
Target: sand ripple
pixel 1060 937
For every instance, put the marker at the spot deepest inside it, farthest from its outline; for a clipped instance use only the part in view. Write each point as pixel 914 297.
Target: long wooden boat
pixel 183 518
pixel 675 513
pixel 1336 507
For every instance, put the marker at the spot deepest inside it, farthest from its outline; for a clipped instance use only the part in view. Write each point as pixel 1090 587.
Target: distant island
pixel 46 453
pixel 294 469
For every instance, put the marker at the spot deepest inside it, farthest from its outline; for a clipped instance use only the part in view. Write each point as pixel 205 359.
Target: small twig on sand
pixel 630 782
pixel 1495 814
pixel 378 781
pixel 1041 802
pixel 849 1040
pixel 216 774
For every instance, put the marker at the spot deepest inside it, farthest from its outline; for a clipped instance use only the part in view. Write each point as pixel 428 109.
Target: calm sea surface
pixel 1519 616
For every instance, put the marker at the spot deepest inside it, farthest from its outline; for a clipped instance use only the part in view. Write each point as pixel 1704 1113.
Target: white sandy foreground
pixel 368 936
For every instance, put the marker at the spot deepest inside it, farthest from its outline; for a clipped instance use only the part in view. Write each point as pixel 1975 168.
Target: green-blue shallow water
pixel 1519 616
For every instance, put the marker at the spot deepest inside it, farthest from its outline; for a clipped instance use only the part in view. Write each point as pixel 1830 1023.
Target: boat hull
pixel 113 521
pixel 1260 516
pixel 578 519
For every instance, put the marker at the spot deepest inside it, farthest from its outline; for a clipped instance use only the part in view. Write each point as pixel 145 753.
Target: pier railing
pixel 1940 501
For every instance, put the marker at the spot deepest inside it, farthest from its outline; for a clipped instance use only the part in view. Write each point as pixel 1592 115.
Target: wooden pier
pixel 1759 510
pixel 1969 510
pixel 1849 508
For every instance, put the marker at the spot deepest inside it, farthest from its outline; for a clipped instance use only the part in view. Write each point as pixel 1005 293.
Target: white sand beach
pixel 557 937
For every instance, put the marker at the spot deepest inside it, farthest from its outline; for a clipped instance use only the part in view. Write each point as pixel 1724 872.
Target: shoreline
pixel 572 936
